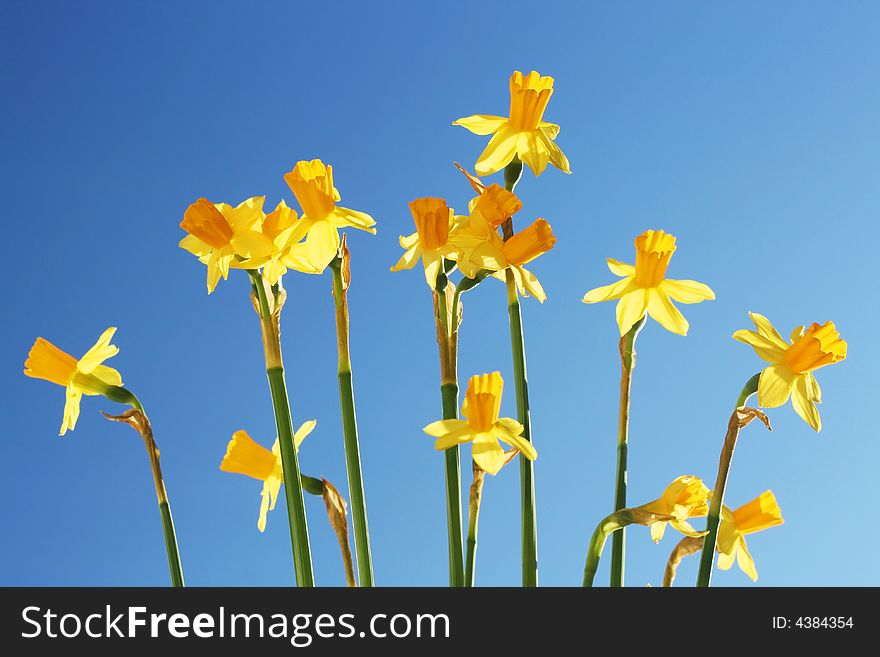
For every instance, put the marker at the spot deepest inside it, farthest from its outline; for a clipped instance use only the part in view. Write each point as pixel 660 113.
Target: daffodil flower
pixel 524 133
pixel 684 498
pixel 312 184
pixel 247 457
pixel 221 236
pixel 761 513
pixel 644 288
pixel 430 242
pixel 791 365
pixel 86 376
pixel 482 426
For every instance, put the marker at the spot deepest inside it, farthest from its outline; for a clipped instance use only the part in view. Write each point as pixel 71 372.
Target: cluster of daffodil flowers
pixel 457 253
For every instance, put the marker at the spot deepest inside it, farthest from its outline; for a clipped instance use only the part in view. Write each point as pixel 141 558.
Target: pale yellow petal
pixel 765 328
pixel 765 348
pixel 610 292
pixel 304 430
pixel 514 439
pixel 528 284
pixel 658 529
pixel 269 496
pixel 409 258
pixel 488 454
pixel 443 427
pixel 72 399
pixel 499 152
pixel 619 268
pixel 482 124
pixel 631 308
pixel 803 404
pixel 687 291
pixel 433 262
pixel 745 561
pixel 98 353
pixel 533 151
pixel 344 217
pixel 322 244
pixel 557 157
pixel 775 385
pixel 661 308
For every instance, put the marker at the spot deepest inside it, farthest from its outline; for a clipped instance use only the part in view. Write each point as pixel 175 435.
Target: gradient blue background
pixel 749 130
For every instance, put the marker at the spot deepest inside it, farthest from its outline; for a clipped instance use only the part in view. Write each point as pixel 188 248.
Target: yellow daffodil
pixel 247 457
pixel 684 498
pixel 791 371
pixel 524 133
pixel 430 242
pixel 761 513
pixel 312 184
pixel 221 236
pixel 482 426
pixel 644 288
pixel 86 376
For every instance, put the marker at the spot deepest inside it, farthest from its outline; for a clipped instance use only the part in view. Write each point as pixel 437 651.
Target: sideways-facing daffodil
pixel 430 242
pixel 644 288
pixel 482 426
pixel 86 376
pixel 247 457
pixel 221 236
pixel 791 371
pixel 280 228
pixel 761 513
pixel 686 497
pixel 321 219
pixel 524 133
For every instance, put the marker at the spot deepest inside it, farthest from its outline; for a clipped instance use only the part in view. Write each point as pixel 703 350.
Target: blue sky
pixel 749 130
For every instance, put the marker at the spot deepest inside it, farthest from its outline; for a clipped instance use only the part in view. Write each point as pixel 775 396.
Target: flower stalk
pixel 269 312
pixel 685 547
pixel 447 321
pixel 476 497
pixel 138 420
pixel 742 415
pixel 628 362
pixel 340 267
pixel 512 175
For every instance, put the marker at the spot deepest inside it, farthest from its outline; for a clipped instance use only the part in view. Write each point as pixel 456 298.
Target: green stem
pixel 171 545
pixel 627 361
pixel 608 525
pixel 512 175
pixel 707 558
pixel 476 497
pixel 447 343
pixel 349 424
pixel 296 512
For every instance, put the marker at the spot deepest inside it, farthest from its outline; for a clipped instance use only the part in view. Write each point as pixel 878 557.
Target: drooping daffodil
pixel 482 427
pixel 790 374
pixel 686 497
pixel 524 133
pixel 246 456
pixel 644 288
pixel 321 219
pixel 761 513
pixel 86 376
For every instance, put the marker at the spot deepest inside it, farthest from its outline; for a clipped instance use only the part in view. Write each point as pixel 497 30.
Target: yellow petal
pixel 549 129
pixel 557 157
pixel 610 292
pixel 687 291
pixel 765 328
pixel 195 246
pixel 499 152
pixel 803 404
pixel 409 241
pixel 619 268
pixel 533 151
pixel 509 431
pixel 322 244
pixel 71 409
pixel 745 561
pixel 409 258
pixel 815 390
pixel 269 496
pixel 433 262
pixel 304 430
pixel 775 385
pixel 101 351
pixel 765 348
pixel 661 308
pixel 725 559
pixel 488 454
pixel 658 529
pixel 343 217
pixel 631 308
pixel 443 427
pixel 482 124
pixel 528 284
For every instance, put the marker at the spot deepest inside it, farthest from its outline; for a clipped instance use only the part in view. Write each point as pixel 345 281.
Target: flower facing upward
pixel 684 498
pixel 524 133
pixel 644 288
pixel 247 457
pixel 482 426
pixel 433 219
pixel 86 376
pixel 761 513
pixel 312 184
pixel 791 371
pixel 222 236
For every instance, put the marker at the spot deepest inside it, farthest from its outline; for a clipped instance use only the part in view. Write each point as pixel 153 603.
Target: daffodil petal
pixel 661 308
pixel 631 308
pixel 803 404
pixel 442 427
pixel 775 385
pixel 343 217
pixel 557 157
pixel 71 409
pixel 433 262
pixel 499 152
pixel 658 529
pixel 322 243
pixel 610 292
pixel 509 431
pixel 765 328
pixel 488 454
pixel 482 124
pixel 765 348
pixel 619 268
pixel 687 291
pixel 533 151
pixel 745 562
pixel 304 430
pixel 529 284
pixel 409 258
